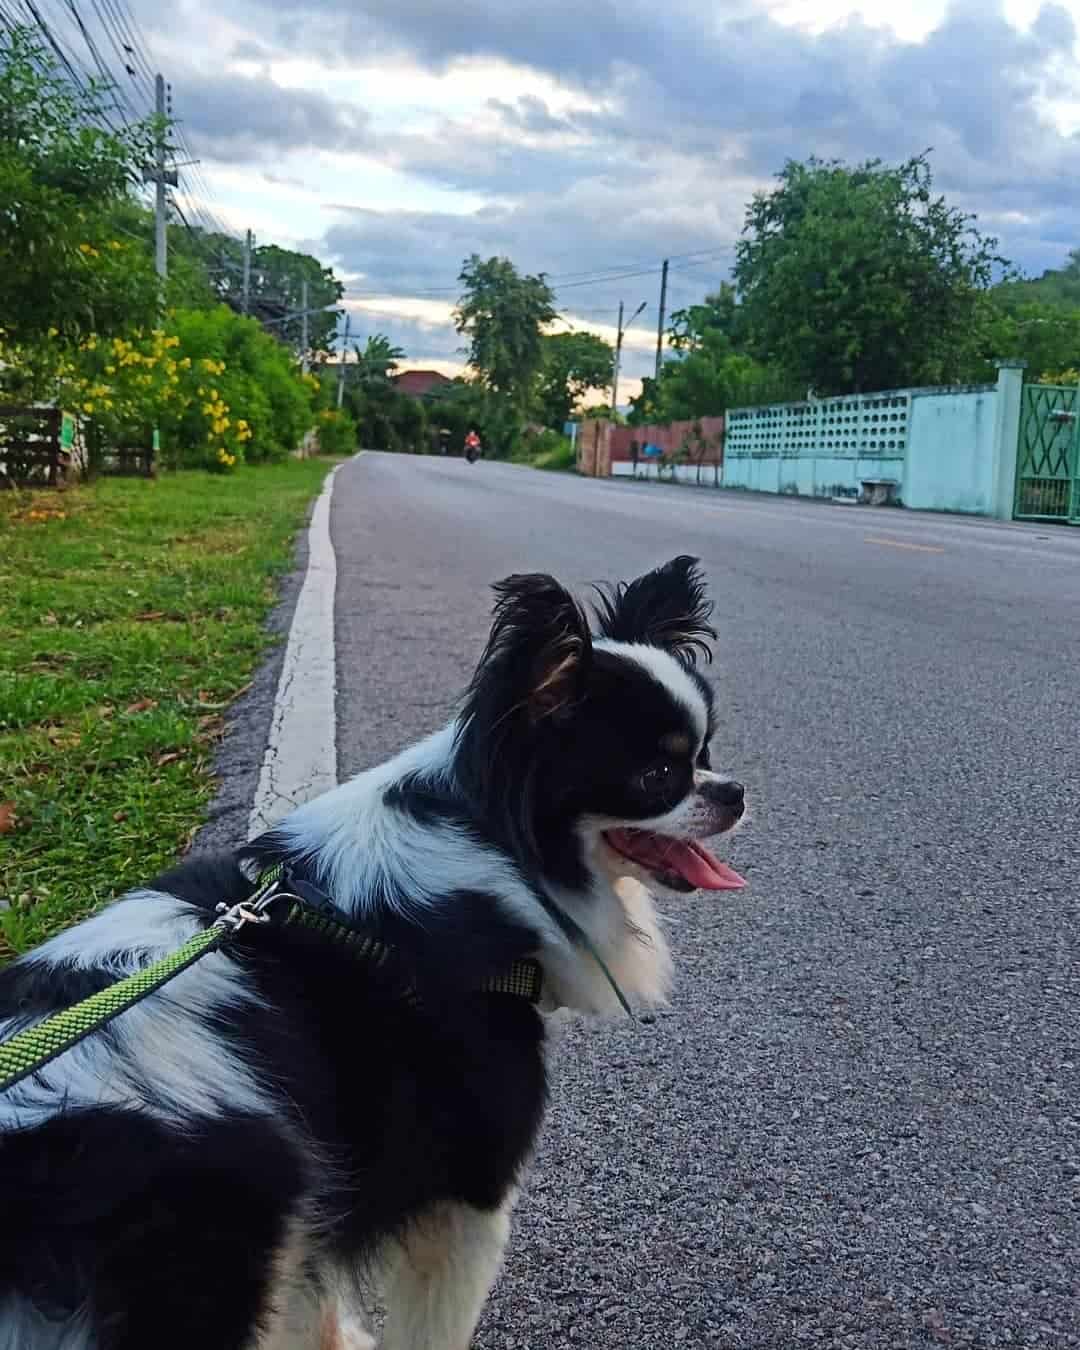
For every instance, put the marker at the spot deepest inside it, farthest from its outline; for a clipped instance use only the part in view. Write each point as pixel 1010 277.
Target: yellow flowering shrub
pixel 217 388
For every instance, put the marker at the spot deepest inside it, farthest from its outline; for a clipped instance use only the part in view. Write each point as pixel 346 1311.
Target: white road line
pixel 900 543
pixel 301 753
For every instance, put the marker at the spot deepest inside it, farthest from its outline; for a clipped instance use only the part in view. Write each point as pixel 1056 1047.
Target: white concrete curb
pixel 301 752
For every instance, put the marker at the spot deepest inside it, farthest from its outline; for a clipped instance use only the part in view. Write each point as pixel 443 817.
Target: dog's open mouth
pixel 683 864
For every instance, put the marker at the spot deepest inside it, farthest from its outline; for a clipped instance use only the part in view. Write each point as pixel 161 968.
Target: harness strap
pixel 31 1049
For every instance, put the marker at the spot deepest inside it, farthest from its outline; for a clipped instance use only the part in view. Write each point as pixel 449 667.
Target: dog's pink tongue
pixel 697 865
pixel 689 860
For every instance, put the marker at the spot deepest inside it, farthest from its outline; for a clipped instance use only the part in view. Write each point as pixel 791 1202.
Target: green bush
pixel 554 452
pixel 260 384
pixel 337 432
pixel 546 450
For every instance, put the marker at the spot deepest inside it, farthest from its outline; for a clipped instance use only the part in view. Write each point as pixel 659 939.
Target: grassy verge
pixel 549 451
pixel 131 615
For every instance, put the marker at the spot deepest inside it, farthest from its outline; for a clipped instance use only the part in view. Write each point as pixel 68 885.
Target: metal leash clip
pixel 234 917
pixel 254 908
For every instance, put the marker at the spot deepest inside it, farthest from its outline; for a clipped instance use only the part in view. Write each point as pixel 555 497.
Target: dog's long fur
pixel 220 1165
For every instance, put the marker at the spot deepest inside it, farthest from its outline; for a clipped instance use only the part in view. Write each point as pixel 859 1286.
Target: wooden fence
pixel 35 446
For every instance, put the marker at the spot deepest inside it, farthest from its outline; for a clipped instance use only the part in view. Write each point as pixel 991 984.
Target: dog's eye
pixel 658 778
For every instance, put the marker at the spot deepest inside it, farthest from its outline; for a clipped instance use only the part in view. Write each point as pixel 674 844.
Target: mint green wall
pixel 950 454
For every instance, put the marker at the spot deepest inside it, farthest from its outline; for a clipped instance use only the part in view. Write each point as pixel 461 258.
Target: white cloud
pixel 397 137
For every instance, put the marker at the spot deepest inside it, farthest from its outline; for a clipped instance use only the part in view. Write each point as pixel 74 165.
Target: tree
pixel 466 405
pixel 504 314
pixel 860 278
pixel 573 363
pixel 708 371
pixel 1056 286
pixel 1045 335
pixel 377 360
pixel 64 268
pixel 275 287
pixel 719 315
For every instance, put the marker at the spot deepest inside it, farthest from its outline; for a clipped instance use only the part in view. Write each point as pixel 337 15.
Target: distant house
pixel 419 383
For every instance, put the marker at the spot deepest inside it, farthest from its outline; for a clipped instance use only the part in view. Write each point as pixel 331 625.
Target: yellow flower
pixel 53 332
pixel 88 407
pixel 186 362
pixel 110 370
pixel 88 251
pixel 115 244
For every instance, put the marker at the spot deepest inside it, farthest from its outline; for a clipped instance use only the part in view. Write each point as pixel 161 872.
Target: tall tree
pixel 860 278
pixel 504 314
pixel 573 363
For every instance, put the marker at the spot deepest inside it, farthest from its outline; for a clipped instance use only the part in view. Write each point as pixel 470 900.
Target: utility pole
pixel 161 257
pixel 304 326
pixel 247 271
pixel 618 355
pixel 344 354
pixel 615 364
pixel 660 321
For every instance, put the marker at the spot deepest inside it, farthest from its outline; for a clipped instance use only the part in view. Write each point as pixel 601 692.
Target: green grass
pixel 549 451
pixel 131 614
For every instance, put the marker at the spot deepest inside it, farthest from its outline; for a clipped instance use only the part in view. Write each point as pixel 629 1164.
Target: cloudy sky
pixel 394 137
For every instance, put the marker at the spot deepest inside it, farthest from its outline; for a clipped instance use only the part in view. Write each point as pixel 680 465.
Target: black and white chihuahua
pixel 228 1162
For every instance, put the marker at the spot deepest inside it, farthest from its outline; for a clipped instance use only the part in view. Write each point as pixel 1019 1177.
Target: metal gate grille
pixel 1048 454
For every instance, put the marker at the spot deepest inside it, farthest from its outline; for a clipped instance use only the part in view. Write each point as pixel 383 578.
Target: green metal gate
pixel 1048 454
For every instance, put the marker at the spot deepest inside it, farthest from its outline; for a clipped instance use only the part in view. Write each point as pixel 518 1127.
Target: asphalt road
pixel 858 1124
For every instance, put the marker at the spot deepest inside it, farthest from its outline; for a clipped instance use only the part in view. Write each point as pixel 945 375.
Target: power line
pixel 128 39
pixel 135 34
pixel 124 51
pixel 594 277
pixel 102 65
pixel 81 80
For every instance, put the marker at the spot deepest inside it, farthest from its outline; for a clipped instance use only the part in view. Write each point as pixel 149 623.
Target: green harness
pixel 30 1050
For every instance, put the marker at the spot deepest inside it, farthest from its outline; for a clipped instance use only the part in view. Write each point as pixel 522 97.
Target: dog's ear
pixel 664 608
pixel 539 648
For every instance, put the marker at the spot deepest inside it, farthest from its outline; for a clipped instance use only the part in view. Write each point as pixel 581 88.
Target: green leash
pixel 29 1051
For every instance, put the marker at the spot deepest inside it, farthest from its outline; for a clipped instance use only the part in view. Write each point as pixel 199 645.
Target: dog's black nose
pixel 726 793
